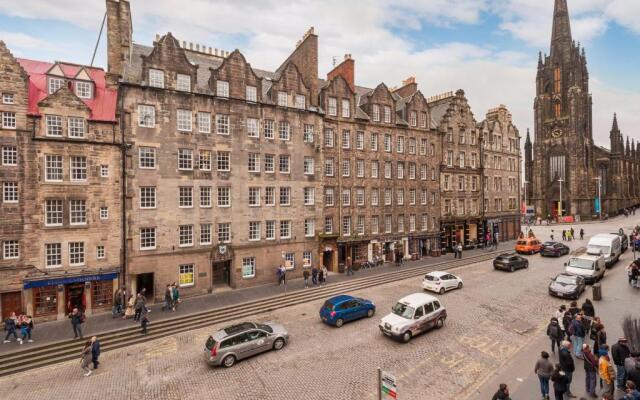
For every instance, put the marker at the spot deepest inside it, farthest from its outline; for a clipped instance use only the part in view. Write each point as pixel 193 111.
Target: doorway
pixel 11 302
pixel 327 259
pixel 145 281
pixel 221 272
pixel 74 294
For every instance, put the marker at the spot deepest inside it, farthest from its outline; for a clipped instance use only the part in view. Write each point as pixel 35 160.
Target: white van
pixel 589 266
pixel 606 244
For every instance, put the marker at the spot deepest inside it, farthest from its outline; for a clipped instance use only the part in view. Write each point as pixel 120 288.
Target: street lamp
pixel 560 202
pixel 599 179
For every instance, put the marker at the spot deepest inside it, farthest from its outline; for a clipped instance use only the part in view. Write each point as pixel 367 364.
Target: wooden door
pixel 11 302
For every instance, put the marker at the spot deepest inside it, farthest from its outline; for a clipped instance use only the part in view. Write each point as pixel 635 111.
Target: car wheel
pixel 512 268
pixel 228 361
pixel 339 322
pixel 440 323
pixel 460 285
pixel 370 313
pixel 526 264
pixel 278 344
pixel 441 291
pixel 406 336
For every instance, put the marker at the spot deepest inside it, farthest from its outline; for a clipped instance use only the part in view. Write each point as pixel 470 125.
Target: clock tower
pixel 563 165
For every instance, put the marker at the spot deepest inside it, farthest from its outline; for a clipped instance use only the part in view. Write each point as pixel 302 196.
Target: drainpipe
pixel 123 187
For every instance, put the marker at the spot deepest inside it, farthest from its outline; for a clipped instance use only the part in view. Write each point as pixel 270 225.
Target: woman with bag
pixel 129 312
pixel 85 358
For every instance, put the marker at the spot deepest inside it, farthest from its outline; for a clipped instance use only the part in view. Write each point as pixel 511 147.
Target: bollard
pixel 597 291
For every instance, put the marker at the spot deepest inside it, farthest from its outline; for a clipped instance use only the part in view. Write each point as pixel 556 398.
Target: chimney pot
pixel 190 46
pixel 184 44
pixel 157 37
pixel 197 47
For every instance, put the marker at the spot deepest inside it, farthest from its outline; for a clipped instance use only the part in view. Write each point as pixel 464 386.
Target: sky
pixel 489 48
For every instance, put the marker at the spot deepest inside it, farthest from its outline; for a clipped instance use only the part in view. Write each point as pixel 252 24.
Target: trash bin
pixel 597 291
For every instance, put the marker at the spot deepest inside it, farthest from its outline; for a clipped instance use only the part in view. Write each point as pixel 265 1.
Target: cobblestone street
pixel 490 319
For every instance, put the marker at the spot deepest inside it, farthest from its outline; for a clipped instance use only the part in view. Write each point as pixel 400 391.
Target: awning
pixel 50 281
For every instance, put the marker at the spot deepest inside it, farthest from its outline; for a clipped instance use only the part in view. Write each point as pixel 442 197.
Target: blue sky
pixel 487 47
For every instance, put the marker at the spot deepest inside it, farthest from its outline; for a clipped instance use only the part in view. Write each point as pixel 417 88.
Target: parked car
pixel 412 315
pixel 607 244
pixel 567 286
pixel 243 340
pixel 554 249
pixel 530 245
pixel 624 240
pixel 591 267
pixel 440 282
pixel 343 308
pixel 510 262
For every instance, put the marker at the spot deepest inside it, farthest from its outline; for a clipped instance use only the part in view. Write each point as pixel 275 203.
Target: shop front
pixel 328 252
pixel 424 246
pixel 49 297
pixel 355 250
pixel 470 233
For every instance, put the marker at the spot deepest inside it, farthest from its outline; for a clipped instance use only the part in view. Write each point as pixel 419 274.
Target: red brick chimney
pixel 409 87
pixel 346 70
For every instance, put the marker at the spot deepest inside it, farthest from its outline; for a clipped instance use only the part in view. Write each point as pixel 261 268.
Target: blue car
pixel 343 308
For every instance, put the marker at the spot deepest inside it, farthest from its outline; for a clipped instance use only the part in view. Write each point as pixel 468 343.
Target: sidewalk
pixel 52 331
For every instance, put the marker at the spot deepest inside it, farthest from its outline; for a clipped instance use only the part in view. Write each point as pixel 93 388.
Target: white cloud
pixel 83 13
pixel 16 40
pixel 606 101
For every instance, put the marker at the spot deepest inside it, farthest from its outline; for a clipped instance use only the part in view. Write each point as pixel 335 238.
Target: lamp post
pixel 560 202
pixel 599 179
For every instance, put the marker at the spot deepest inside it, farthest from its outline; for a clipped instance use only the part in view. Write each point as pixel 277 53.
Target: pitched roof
pixel 102 104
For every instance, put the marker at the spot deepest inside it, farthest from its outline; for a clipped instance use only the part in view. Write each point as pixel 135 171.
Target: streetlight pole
pixel 560 202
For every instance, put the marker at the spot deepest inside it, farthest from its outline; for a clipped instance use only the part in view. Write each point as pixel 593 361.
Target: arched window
pixel 557 109
pixel 556 79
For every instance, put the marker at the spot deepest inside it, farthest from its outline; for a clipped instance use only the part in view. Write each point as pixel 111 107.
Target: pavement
pixel 53 331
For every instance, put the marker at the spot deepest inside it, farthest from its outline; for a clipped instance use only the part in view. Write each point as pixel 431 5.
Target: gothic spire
pixel 614 127
pixel 528 140
pixel 626 150
pixel 561 41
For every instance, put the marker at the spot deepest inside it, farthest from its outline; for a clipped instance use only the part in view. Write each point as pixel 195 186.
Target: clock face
pixel 556 133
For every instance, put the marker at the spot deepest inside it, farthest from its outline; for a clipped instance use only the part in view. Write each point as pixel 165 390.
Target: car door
pixel 258 341
pixel 451 281
pixel 241 346
pixel 361 309
pixel 429 309
pixel 418 321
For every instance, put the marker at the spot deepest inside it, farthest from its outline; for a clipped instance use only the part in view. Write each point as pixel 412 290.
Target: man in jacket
pixel 619 352
pixel 566 365
pixel 76 322
pixel 576 329
pixel 95 352
pixel 138 306
pixel 314 276
pixel 590 368
pixel 10 326
pixel 502 393
pixel 606 371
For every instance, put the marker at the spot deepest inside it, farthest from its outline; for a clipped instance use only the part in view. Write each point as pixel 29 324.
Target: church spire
pixel 614 127
pixel 561 35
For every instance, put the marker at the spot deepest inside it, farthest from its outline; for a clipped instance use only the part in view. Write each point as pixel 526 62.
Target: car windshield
pixel 594 248
pixel 581 263
pixel 569 280
pixel 265 328
pixel 403 310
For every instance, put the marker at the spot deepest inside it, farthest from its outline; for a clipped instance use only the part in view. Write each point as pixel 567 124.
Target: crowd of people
pixel 568 234
pixel 171 297
pixel 14 324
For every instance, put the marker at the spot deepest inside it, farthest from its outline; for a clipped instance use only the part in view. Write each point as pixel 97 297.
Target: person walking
pixel 502 393
pixel 606 371
pixel 544 370
pixel 574 309
pixel 117 304
pixel 560 383
pixel 168 296
pixel 144 322
pixel 590 370
pixel 139 305
pixel 619 352
pixel 571 234
pixel 555 334
pixel 77 319
pixel 459 248
pixel 567 366
pixel 559 316
pixel 576 330
pixel 95 352
pixel 564 235
pixel 279 274
pixel 85 358
pixel 588 309
pixel 600 337
pixel 175 295
pixel 305 275
pixel 129 311
pixel 581 234
pixel 321 276
pixel 26 327
pixel 349 266
pixel 10 325
pixel 325 274
pixel 314 275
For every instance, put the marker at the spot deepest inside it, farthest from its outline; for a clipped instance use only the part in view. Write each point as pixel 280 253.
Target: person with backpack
pixel 10 325
pixel 567 367
pixel 560 383
pixel 544 370
pixel 77 319
pixel 555 334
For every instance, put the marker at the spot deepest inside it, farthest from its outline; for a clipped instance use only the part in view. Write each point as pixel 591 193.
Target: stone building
pixel 566 171
pixel 60 173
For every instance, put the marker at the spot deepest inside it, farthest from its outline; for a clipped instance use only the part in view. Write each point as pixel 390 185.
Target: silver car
pixel 240 341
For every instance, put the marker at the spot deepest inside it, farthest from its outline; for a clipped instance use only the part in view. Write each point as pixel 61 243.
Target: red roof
pixel 103 103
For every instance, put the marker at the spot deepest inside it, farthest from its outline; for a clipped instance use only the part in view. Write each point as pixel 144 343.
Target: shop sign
pixel 68 280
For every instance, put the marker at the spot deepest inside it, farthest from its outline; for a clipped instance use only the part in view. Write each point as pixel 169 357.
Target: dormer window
pixel 282 99
pixel 387 114
pixel 300 101
pixel 83 90
pixel 413 118
pixel 251 94
pixel 156 78
pixel 346 108
pixel 183 83
pixel 423 119
pixel 332 107
pixel 222 89
pixel 376 113
pixel 55 84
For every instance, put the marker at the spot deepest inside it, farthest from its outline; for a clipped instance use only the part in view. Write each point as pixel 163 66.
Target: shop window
pixel 45 300
pixel 101 294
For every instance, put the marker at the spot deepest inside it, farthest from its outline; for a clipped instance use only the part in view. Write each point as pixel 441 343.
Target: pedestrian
pixel 325 274
pixel 544 370
pixel 559 316
pixel 175 296
pixel 551 235
pixel 95 352
pixel 566 323
pixel 555 334
pixel 279 274
pixel 606 371
pixel 284 275
pixel 576 330
pixel 590 370
pixel 619 352
pixel 139 306
pixel 168 293
pixel 305 275
pixel 564 235
pixel 26 326
pixel 588 309
pixel 77 319
pixel 144 322
pixel 129 311
pixel 571 233
pixel 321 276
pixel 560 383
pixel 349 266
pixel 573 309
pixel 567 366
pixel 314 275
pixel 85 358
pixel 117 303
pixel 600 338
pixel 460 250
pixel 581 233
pixel 10 325
pixel 631 392
pixel 502 393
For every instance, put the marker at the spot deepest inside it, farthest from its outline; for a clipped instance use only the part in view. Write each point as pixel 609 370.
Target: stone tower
pixel 562 165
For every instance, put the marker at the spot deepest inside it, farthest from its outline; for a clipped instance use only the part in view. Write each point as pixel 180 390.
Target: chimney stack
pixel 408 88
pixel 346 69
